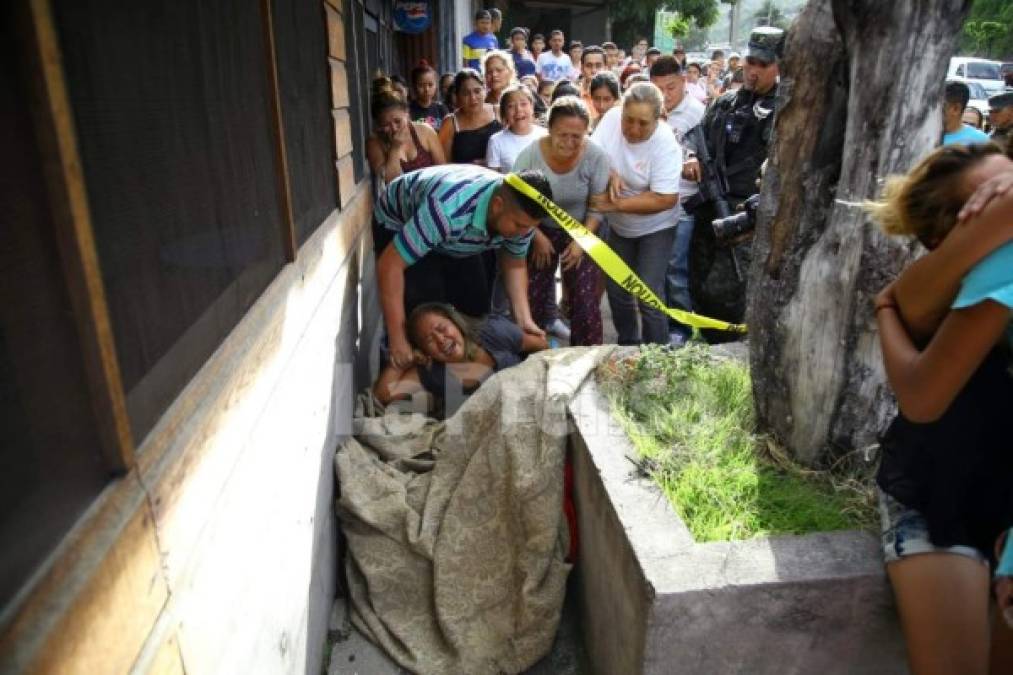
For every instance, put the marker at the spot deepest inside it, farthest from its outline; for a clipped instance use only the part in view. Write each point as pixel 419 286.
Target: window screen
pixel 172 111
pixel 50 457
pixel 300 34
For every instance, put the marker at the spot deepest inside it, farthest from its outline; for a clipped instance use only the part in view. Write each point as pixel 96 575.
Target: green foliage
pixel 677 26
pixel 690 416
pixel 632 19
pixel 770 14
pixel 988 30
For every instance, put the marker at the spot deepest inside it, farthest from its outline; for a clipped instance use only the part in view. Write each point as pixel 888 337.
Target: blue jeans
pixel 648 257
pixel 677 275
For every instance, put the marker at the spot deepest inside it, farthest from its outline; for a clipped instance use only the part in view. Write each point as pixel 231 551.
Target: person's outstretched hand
pixel 529 326
pixel 401 354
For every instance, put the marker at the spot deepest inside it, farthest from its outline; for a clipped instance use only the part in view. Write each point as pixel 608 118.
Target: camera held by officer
pixel 733 226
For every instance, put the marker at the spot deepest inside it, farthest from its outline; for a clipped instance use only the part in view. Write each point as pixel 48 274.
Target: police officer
pixel 737 130
pixel 1000 115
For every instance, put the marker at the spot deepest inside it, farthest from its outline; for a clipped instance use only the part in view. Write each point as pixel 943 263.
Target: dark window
pixel 172 107
pixel 304 86
pixel 358 85
pixel 50 462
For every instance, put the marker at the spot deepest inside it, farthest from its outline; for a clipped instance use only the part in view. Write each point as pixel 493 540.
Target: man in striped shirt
pixel 434 225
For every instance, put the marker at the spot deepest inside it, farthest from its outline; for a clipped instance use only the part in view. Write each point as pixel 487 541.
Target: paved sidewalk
pixel 353 654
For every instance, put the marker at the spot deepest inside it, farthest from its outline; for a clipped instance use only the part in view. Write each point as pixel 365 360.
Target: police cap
pixel 1000 101
pixel 765 43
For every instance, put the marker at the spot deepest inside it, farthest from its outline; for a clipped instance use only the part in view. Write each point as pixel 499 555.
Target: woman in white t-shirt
pixel 642 204
pixel 517 110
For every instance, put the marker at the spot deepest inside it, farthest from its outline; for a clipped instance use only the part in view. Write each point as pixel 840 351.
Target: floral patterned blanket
pixel 455 530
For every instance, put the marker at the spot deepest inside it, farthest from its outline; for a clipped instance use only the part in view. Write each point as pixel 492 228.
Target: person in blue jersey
pixel 946 496
pixel 433 226
pixel 479 41
pixel 954 130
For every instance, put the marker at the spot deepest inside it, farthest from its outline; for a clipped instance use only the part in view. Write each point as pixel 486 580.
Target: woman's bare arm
pixel 926 289
pixel 397 384
pixel 533 343
pixel 385 163
pixel 447 135
pixel 926 382
pixel 432 143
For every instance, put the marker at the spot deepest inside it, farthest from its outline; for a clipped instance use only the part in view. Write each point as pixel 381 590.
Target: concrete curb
pixel 654 601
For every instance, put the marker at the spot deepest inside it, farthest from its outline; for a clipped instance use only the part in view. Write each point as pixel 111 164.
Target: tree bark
pixel 860 98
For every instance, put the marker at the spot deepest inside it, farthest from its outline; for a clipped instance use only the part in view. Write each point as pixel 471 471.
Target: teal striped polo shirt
pixel 443 208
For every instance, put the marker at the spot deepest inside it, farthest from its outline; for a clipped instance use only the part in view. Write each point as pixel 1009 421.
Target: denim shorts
pixel 905 533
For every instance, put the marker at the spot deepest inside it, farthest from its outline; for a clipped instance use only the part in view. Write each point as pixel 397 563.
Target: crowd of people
pixel 614 138
pixel 657 156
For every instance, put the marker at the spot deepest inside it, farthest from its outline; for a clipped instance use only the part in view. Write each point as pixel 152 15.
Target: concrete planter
pixel 655 601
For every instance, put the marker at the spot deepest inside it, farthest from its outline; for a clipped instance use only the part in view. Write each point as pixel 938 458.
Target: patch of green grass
pixel 690 416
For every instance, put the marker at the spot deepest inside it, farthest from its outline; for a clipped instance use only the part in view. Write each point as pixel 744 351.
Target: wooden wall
pixel 214 549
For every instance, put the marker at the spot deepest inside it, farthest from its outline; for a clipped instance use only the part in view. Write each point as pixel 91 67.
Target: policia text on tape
pixel 613 265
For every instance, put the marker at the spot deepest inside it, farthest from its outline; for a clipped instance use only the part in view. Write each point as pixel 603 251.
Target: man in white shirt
pixel 554 65
pixel 683 112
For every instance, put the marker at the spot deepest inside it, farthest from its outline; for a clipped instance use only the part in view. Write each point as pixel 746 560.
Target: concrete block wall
pixel 655 601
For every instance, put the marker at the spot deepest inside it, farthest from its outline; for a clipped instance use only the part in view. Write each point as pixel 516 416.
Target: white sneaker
pixel 559 329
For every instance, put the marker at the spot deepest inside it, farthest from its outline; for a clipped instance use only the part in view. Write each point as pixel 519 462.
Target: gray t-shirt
pixel 570 190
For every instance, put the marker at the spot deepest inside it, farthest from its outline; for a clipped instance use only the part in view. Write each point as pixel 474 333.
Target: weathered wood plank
pixel 98 596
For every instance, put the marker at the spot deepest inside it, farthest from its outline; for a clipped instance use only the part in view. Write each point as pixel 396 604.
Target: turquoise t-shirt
pixel 991 279
pixel 967 135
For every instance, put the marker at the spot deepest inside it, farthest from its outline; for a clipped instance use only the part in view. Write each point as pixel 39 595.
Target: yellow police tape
pixel 613 265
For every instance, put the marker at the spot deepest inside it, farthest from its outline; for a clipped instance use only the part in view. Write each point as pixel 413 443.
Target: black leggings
pixel 465 283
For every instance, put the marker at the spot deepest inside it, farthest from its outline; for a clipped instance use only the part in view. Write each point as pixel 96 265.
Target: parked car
pixel 984 72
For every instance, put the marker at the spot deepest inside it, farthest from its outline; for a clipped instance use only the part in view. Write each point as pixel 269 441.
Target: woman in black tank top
pixel 466 137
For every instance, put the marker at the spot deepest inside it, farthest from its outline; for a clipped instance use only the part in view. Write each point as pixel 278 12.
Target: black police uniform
pixel 737 127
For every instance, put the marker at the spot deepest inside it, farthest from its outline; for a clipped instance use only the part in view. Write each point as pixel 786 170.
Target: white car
pixel 984 72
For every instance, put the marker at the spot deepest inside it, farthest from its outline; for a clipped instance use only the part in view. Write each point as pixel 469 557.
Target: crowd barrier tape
pixel 614 266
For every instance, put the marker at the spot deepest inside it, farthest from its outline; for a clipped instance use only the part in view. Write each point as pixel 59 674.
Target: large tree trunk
pixel 860 98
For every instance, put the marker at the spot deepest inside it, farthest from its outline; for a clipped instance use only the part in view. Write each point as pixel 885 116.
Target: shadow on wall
pixel 355 365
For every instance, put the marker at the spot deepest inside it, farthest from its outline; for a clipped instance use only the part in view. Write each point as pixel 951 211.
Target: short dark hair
pixel 538 36
pixel 652 51
pixel 556 32
pixel 522 31
pixel 538 181
pixel 564 88
pixel 568 106
pixel 678 50
pixel 575 43
pixel 666 65
pixel 605 79
pixel 494 13
pixel 609 45
pixel 592 49
pixel 418 71
pixel 482 14
pixel 717 54
pixel 957 92
pixel 463 75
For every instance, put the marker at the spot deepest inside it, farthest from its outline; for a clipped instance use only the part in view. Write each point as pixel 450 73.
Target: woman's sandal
pixel 1003 583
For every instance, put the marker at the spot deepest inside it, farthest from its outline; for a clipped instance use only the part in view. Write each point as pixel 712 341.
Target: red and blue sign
pixel 412 16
